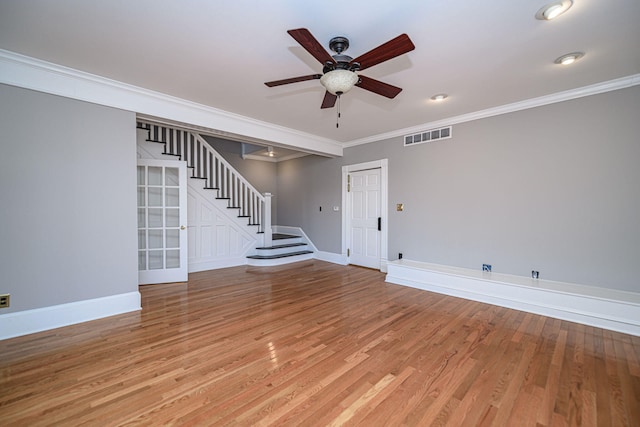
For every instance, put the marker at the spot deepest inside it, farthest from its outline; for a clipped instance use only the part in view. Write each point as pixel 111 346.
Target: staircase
pixel 285 248
pixel 227 185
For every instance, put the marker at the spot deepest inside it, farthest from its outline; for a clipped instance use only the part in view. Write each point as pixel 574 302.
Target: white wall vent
pixel 428 136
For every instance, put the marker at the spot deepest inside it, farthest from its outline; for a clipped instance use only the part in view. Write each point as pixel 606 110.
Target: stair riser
pixel 287 241
pixel 278 261
pixel 280 251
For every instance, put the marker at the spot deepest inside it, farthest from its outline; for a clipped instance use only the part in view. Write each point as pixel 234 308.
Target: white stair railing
pixel 207 164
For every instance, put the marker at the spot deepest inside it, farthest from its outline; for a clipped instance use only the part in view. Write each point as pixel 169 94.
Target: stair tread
pixel 289 245
pixel 280 236
pixel 280 255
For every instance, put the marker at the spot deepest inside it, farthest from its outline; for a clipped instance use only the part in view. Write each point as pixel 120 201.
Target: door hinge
pixel 348 183
pixel 348 252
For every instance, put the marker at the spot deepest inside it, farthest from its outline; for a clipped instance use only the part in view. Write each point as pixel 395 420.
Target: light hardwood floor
pixel 318 344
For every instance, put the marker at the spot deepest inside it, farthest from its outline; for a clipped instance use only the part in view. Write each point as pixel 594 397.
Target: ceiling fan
pixel 339 71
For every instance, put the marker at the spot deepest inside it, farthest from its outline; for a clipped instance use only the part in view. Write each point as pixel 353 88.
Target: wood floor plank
pixel 317 344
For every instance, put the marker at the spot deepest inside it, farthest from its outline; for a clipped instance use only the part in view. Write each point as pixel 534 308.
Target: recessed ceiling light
pixel 553 10
pixel 439 97
pixel 569 58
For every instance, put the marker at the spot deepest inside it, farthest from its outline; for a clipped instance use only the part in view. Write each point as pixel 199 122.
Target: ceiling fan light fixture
pixel 553 10
pixel 569 58
pixel 339 81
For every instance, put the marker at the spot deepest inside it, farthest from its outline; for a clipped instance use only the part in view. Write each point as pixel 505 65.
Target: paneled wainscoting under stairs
pixel 222 193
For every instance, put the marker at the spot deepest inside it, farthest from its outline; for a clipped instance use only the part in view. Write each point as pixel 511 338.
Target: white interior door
pixel 162 216
pixel 364 218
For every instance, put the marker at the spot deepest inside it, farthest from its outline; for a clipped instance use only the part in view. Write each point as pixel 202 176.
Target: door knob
pixel 182 227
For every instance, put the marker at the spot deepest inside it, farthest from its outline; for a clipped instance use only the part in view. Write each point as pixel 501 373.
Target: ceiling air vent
pixel 428 136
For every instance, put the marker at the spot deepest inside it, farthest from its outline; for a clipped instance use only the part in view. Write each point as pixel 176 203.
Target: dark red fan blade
pixel 293 80
pixel 395 47
pixel 376 86
pixel 311 45
pixel 329 100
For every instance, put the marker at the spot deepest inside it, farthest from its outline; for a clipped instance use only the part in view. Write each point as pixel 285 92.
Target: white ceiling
pixel 483 54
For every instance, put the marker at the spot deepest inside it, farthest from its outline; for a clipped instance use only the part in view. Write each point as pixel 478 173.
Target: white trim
pixel 217 263
pixel 383 164
pixel 604 308
pixel 566 95
pixel 384 265
pixel 334 258
pixel 278 261
pixel 30 73
pixel 45 318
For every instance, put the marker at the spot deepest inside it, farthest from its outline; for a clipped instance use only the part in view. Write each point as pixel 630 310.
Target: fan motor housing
pixel 339 44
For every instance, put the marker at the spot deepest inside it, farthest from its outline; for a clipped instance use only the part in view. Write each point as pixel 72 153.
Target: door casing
pixel 383 164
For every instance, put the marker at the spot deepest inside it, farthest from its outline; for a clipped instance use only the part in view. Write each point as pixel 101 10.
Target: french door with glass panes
pixel 162 215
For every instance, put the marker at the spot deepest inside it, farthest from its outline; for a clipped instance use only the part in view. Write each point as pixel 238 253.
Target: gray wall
pixel 305 185
pixel 554 188
pixel 68 217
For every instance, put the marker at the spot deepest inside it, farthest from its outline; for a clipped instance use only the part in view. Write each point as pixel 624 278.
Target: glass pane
pixel 171 177
pixel 142 223
pixel 155 196
pixel 172 197
pixel 141 196
pixel 155 260
pixel 173 238
pixel 155 217
pixel 172 217
pixel 142 239
pixel 142 260
pixel 155 175
pixel 155 239
pixel 141 175
pixel 173 258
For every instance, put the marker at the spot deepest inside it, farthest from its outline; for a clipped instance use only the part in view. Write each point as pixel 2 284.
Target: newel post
pixel 268 232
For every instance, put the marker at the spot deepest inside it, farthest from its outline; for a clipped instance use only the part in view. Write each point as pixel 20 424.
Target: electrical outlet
pixel 535 274
pixel 486 267
pixel 4 300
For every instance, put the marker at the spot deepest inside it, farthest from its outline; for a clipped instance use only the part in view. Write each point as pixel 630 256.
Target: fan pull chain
pixel 338 118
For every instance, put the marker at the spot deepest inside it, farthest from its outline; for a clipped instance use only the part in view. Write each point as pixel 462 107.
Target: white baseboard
pixel 214 264
pixel 331 257
pixel 604 308
pixel 278 261
pixel 42 319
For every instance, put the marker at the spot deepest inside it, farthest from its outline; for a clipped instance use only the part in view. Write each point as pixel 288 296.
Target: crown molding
pixel 567 95
pixel 35 74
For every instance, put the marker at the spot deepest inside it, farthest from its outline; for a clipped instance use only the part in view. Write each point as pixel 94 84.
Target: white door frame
pixel 383 165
